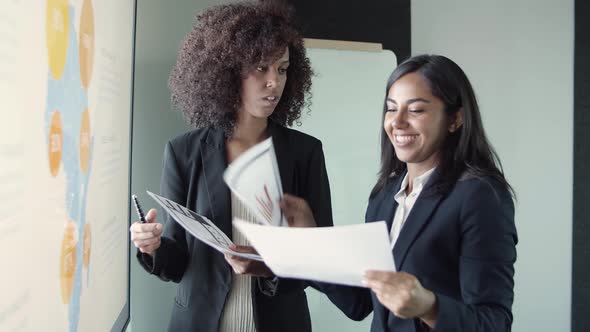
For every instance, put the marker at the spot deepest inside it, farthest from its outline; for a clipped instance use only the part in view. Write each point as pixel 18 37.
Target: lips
pixel 270 101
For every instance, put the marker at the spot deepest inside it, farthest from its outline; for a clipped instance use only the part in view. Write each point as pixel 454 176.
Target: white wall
pixel 519 57
pixel 348 92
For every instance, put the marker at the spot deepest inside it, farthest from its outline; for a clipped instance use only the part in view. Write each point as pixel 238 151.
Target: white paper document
pixel 254 177
pixel 339 254
pixel 200 227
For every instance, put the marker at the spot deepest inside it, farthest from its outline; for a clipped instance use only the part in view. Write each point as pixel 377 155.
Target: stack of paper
pixel 254 177
pixel 331 254
pixel 200 227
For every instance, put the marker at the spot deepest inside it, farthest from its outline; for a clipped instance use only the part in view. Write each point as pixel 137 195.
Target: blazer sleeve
pixel 354 302
pixel 171 258
pixel 486 264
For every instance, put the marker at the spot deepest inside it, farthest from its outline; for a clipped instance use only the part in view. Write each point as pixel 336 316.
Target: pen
pixel 138 208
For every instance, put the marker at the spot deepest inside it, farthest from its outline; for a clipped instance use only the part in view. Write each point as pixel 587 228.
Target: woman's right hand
pixel 146 236
pixel 297 211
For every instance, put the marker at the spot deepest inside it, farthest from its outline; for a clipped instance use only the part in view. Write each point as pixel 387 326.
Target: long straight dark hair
pixel 466 149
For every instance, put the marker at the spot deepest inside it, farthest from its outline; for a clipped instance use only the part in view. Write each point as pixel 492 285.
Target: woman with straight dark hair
pixel 448 207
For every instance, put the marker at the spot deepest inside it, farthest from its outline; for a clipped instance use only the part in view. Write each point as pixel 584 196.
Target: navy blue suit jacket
pixel 461 246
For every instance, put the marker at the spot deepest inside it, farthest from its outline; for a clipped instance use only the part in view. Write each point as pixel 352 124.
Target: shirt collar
pixel 419 183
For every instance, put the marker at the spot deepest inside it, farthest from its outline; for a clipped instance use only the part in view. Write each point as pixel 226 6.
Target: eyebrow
pixel 280 64
pixel 410 101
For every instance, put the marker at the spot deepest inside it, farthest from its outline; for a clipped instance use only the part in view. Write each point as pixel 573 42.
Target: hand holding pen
pixel 145 233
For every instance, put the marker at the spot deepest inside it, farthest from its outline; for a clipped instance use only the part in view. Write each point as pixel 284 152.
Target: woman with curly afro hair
pixel 242 76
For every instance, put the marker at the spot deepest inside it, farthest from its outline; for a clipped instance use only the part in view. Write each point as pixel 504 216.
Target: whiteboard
pixel 65 76
pixel 348 93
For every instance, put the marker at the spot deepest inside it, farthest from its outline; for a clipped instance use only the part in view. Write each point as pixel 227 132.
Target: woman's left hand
pixel 242 265
pixel 297 211
pixel 403 295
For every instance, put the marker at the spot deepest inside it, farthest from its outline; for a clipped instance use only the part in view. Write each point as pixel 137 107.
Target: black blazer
pixel 461 246
pixel 193 175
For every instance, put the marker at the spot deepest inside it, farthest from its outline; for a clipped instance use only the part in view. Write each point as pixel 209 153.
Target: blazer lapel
pixel 214 164
pixel 391 204
pixel 284 159
pixel 417 219
pixel 382 207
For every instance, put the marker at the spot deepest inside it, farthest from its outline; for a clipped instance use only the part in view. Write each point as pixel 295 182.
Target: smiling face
pixel 416 123
pixel 262 87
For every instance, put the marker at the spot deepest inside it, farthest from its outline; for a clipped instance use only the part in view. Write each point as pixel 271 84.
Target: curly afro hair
pixel 226 41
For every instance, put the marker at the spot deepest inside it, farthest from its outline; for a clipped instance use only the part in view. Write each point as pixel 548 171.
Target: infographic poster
pixel 66 80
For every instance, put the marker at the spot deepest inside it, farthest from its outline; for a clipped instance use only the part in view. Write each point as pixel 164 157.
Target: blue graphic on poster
pixel 69 138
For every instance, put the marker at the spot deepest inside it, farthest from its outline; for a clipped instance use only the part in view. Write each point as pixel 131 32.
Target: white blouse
pixel 238 314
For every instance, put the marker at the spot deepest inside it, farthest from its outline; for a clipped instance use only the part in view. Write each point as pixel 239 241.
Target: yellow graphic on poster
pixel 67 264
pixel 57 32
pixel 86 43
pixel 85 138
pixel 55 143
